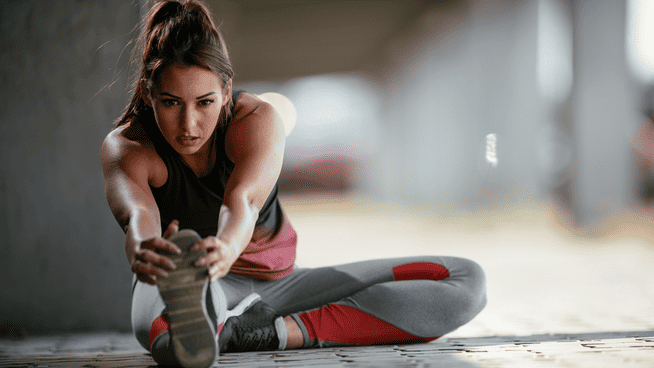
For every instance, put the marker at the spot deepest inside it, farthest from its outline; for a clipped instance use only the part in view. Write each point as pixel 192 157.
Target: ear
pixel 145 93
pixel 227 93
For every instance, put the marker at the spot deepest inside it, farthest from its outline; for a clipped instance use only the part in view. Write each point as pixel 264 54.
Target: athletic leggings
pixel 388 301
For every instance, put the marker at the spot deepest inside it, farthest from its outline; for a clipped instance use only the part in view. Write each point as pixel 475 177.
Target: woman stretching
pixel 189 152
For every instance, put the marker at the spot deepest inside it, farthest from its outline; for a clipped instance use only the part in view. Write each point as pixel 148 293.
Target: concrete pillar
pixel 466 70
pixel 604 110
pixel 62 262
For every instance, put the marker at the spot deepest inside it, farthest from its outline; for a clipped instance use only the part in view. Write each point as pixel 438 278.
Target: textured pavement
pixel 624 349
pixel 556 297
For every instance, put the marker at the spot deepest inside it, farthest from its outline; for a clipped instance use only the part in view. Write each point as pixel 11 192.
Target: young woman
pixel 190 152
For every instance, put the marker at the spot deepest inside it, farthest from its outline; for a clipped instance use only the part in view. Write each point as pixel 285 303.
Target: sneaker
pixel 184 292
pixel 244 305
pixel 253 330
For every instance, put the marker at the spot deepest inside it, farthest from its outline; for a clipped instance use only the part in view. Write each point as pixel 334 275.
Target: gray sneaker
pixel 184 292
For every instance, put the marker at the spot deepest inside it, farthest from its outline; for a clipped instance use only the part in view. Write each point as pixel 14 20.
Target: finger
pixel 208 244
pixel 203 244
pixel 173 227
pixel 162 244
pixel 148 269
pixel 198 245
pixel 219 270
pixel 208 259
pixel 156 259
pixel 135 266
pixel 214 274
pixel 147 279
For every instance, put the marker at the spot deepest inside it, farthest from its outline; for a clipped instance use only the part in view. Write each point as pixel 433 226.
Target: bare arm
pixel 126 169
pixel 255 143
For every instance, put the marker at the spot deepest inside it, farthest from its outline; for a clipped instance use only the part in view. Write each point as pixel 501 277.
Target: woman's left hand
pixel 219 258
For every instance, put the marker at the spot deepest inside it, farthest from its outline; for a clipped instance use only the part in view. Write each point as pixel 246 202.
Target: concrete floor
pixel 557 298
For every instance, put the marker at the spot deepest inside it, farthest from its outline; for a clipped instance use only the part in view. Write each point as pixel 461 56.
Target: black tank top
pixel 195 202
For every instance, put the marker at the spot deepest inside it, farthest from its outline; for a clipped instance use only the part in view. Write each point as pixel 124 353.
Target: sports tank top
pixel 195 203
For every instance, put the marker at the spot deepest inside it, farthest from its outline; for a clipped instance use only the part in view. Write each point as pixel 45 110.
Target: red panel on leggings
pixel 420 271
pixel 343 324
pixel 159 326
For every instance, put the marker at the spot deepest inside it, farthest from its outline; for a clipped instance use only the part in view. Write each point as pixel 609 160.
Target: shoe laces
pixel 254 330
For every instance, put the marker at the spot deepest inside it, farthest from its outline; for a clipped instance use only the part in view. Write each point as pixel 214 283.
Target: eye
pixel 170 102
pixel 205 102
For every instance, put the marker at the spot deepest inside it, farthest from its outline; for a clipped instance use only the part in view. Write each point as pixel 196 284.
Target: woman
pixel 190 152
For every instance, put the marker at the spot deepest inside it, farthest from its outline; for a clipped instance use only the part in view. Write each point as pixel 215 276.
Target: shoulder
pixel 125 142
pixel 256 130
pixel 128 148
pixel 255 125
pixel 248 106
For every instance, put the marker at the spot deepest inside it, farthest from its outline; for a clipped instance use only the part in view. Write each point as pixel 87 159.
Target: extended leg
pixel 415 299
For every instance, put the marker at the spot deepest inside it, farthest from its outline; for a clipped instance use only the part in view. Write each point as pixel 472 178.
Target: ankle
pixel 294 338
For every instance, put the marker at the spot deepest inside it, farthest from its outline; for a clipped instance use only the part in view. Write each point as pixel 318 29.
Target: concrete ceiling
pixel 280 39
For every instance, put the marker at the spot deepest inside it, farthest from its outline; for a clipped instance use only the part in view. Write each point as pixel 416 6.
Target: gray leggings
pixel 421 297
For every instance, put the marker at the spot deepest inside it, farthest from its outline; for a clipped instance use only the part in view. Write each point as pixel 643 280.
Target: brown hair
pixel 177 33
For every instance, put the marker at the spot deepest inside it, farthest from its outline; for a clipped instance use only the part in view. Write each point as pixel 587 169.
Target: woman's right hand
pixel 149 261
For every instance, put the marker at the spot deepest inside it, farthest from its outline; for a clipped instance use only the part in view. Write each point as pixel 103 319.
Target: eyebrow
pixel 179 98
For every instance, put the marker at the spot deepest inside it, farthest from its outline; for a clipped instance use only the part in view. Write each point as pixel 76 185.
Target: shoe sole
pixel 184 292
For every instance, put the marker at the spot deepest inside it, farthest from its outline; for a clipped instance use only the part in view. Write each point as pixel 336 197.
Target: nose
pixel 189 117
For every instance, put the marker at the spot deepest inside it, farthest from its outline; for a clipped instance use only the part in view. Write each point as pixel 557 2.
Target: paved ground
pixel 623 349
pixel 557 298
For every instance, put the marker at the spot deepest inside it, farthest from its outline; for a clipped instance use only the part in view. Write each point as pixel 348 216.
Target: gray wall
pixel 470 68
pixel 62 263
pixel 472 72
pixel 606 111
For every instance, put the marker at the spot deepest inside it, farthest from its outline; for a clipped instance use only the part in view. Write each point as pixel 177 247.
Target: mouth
pixel 188 141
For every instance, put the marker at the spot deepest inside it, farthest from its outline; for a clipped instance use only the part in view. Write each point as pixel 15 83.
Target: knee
pixel 462 270
pixel 468 272
pixel 476 274
pixel 474 280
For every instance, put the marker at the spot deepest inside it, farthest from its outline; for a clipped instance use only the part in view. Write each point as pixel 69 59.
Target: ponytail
pixel 177 33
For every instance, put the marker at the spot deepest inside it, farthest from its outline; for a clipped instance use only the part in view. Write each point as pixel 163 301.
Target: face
pixel 187 102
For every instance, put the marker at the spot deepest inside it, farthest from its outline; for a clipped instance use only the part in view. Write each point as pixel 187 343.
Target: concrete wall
pixel 470 68
pixel 606 111
pixel 472 72
pixel 62 262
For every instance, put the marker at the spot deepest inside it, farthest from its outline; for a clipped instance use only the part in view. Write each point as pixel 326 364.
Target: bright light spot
pixel 491 154
pixel 640 38
pixel 326 101
pixel 336 113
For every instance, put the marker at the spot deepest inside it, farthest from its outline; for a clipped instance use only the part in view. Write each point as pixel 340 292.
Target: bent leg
pixel 414 299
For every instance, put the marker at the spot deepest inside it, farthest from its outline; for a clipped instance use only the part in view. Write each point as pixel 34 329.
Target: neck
pixel 202 162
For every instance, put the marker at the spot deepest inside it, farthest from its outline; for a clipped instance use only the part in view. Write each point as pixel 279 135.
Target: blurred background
pixel 420 123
